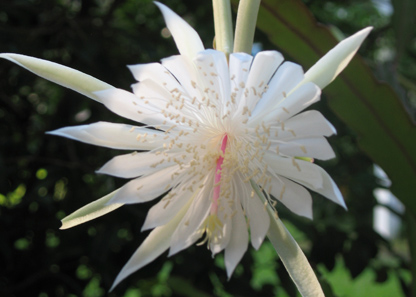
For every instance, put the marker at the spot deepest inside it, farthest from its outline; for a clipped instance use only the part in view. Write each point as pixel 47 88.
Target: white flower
pixel 212 127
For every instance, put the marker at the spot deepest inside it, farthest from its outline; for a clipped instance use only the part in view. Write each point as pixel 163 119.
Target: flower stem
pixel 246 25
pixel 223 26
pixel 290 253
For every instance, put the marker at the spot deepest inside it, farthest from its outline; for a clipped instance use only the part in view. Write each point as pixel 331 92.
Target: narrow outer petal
pixel 136 164
pixel 306 173
pixel 90 211
pixel 152 247
pixel 62 75
pixel 330 65
pixel 162 212
pixel 329 189
pixel 187 231
pixel 258 220
pixel 294 260
pixel 186 38
pixel 295 197
pixel 308 123
pixel 238 241
pixel 291 254
pixel 117 136
pixel 148 187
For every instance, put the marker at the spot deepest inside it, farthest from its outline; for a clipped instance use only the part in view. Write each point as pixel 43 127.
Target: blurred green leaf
pixel 403 22
pixel 371 109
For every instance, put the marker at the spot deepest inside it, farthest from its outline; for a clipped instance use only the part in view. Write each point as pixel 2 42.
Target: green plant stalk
pixel 246 25
pixel 411 237
pixel 223 26
pixel 290 253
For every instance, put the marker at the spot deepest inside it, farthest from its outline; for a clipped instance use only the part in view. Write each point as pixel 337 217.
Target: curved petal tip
pixel 186 38
pixel 330 65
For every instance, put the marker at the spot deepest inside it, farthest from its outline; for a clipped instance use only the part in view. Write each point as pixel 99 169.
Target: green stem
pixel 411 237
pixel 246 25
pixel 223 26
pixel 290 253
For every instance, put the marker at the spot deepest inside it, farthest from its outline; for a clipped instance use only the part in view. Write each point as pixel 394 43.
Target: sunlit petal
pixel 62 75
pixel 293 196
pixel 238 241
pixel 312 147
pixel 137 164
pixel 295 169
pixel 330 65
pixel 90 211
pixel 166 208
pixel 257 218
pixel 147 188
pixel 187 231
pixel 186 38
pixel 152 247
pixel 117 136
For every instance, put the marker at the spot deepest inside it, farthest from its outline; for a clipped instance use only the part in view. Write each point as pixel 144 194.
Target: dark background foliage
pixel 44 178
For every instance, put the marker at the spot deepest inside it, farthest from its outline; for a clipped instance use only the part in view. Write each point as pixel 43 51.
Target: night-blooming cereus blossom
pixel 213 127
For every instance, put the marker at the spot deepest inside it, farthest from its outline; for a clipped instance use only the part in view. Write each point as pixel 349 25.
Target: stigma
pixel 217 177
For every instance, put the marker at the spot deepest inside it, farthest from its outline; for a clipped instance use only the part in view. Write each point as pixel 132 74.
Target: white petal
pixel 148 187
pixel 297 101
pixel 62 75
pixel 166 209
pixel 152 247
pixel 330 65
pixel 155 72
pixel 308 123
pixel 136 164
pixel 131 107
pixel 257 216
pixel 293 258
pixel 313 147
pixel 118 136
pixel 224 215
pixel 215 66
pixel 287 107
pixel 298 170
pixel 185 72
pixel 153 92
pixel 264 66
pixel 238 241
pixel 187 231
pixel 287 76
pixel 311 176
pixel 240 64
pixel 154 104
pixel 329 189
pixel 187 40
pixel 90 211
pixel 293 196
pixel 213 78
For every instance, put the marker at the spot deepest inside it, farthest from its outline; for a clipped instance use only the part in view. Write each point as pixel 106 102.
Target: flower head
pixel 213 127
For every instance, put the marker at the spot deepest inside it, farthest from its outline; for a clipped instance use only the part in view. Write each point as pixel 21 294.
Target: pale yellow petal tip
pixel 364 32
pixel 66 225
pixel 63 227
pixel 10 57
pixel 367 29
